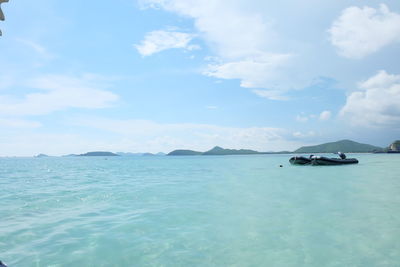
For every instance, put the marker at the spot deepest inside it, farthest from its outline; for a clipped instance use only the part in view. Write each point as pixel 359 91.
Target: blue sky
pixel 158 75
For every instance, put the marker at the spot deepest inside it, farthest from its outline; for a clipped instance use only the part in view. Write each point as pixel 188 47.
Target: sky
pixel 159 75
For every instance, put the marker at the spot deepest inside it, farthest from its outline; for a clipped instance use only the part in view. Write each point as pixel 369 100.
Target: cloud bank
pixel 57 92
pixel 359 32
pixel 239 40
pixel 376 103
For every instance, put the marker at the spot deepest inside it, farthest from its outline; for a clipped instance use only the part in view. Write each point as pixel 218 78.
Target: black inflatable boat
pixel 300 160
pixel 318 160
pixel 332 161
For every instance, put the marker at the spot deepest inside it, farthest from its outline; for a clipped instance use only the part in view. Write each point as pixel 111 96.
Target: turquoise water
pixel 199 211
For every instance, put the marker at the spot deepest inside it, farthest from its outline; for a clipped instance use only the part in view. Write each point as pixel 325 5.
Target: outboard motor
pixel 342 155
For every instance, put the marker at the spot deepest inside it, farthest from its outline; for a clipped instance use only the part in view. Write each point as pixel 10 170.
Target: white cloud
pixel 270 94
pixel 359 32
pixel 325 115
pixel 260 71
pixel 157 41
pixel 57 92
pixel 224 24
pixel 240 41
pixel 376 103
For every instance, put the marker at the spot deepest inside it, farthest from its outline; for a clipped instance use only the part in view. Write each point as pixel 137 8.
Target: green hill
pixel 214 152
pixel 343 146
pixel 222 151
pixel 183 152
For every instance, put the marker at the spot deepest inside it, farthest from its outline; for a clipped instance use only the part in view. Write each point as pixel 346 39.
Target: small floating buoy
pixel 281 166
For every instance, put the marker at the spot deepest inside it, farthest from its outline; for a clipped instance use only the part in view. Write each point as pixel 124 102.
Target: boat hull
pixel 299 160
pixel 332 161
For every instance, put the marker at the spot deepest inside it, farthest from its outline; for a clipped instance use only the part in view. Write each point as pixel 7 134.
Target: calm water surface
pixel 199 211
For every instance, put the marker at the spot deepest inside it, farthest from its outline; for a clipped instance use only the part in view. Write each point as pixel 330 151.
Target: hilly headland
pixel 345 146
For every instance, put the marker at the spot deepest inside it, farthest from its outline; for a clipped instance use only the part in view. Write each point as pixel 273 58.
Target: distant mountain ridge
pixel 99 153
pixel 41 156
pixel 184 152
pixel 219 151
pixel 345 146
pixel 222 151
pixel 129 154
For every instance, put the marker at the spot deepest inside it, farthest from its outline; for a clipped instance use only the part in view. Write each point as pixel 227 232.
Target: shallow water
pixel 199 211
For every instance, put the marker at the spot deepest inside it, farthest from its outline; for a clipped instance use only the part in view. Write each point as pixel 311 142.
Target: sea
pixel 199 211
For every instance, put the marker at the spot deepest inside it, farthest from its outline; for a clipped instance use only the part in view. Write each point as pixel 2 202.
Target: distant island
pixel 111 154
pixel 41 156
pixel 184 152
pixel 344 146
pixel 219 151
pixel 152 154
pixel 129 154
pixel 98 153
pixel 347 146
